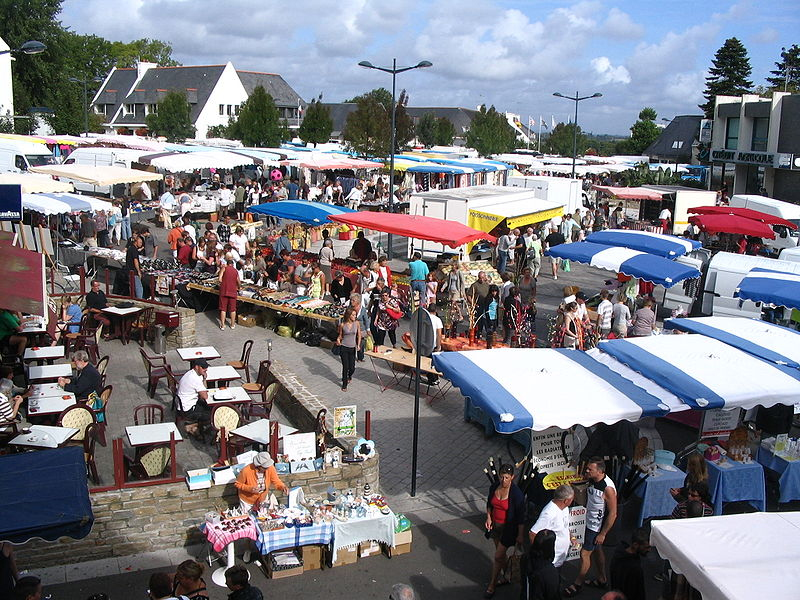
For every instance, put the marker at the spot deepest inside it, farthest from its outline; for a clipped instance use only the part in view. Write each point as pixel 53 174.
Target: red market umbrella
pixel 733 224
pixel 629 193
pixel 742 212
pixel 419 227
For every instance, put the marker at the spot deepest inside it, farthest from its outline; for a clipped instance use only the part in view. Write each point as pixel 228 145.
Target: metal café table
pixel 221 375
pixel 229 395
pixel 50 405
pixel 48 372
pixel 44 436
pixel 207 352
pixel 46 353
pixel 126 316
pixel 149 435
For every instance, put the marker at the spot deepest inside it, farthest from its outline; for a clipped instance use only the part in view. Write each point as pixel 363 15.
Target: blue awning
pixel 311 213
pixel 772 287
pixel 668 246
pixel 779 345
pixel 44 495
pixel 642 265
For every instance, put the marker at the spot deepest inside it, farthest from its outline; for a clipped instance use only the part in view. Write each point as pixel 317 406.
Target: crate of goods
pixel 246 320
pixel 198 479
pixel 312 557
pixel 370 548
pixel 283 564
pixel 346 556
pixel 402 543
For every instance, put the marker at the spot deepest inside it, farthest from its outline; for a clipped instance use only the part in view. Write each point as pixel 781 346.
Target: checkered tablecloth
pixel 291 537
pixel 219 538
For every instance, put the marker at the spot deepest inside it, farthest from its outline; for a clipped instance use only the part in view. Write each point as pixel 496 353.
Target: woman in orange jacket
pixel 255 481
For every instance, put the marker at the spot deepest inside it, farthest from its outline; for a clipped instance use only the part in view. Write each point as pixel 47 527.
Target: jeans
pixel 418 286
pixel 502 259
pixel 137 286
pixel 348 356
pixel 126 227
pixel 379 335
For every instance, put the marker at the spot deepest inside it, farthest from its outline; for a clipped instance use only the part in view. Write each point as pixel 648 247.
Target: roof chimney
pixel 142 68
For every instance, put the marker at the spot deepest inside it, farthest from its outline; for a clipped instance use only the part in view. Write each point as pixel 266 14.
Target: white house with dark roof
pixel 214 93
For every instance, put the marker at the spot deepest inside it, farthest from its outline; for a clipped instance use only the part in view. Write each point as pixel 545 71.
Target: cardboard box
pixel 346 556
pixel 198 479
pixel 246 320
pixel 404 537
pixel 366 549
pixel 223 476
pixel 312 558
pixel 273 573
pixel 401 549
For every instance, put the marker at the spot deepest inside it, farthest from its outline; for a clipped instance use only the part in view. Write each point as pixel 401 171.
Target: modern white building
pixel 6 87
pixel 214 93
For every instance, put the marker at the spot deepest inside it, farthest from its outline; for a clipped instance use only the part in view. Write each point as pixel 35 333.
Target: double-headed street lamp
pixel 575 99
pixel 85 83
pixel 394 70
pixel 30 47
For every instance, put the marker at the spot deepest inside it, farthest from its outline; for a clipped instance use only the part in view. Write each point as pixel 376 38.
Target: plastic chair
pixel 147 414
pixel 260 388
pixel 156 367
pixel 78 416
pixel 243 364
pixel 89 440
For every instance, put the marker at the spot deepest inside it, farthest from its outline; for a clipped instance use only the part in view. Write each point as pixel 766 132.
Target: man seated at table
pixel 9 409
pixel 696 493
pixel 193 396
pixel 255 481
pixel 87 379
pixel 95 303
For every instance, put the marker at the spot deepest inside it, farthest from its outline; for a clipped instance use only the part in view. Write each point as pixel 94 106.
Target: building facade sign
pixel 743 157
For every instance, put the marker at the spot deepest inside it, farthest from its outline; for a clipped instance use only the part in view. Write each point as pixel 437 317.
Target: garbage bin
pixel 159 341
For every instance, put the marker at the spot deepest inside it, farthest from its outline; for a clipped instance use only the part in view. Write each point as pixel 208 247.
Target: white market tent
pixel 202 158
pixel 35 184
pixel 100 175
pixel 44 204
pixel 734 557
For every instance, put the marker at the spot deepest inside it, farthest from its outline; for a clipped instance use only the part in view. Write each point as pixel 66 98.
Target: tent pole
pixel 415 435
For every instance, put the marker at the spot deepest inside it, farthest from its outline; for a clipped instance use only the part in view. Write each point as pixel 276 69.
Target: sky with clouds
pixel 510 53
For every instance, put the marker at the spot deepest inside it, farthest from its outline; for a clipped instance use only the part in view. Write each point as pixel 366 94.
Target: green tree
pixel 259 123
pixel 729 75
pixel 644 132
pixel 317 125
pixel 445 132
pixel 490 133
pixel 427 130
pixel 144 50
pixel 786 76
pixel 171 119
pixel 404 124
pixel 217 131
pixel 367 130
pixel 560 140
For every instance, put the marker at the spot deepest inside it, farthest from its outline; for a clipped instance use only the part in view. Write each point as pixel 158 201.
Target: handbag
pixel 336 350
pixel 395 314
pixel 565 265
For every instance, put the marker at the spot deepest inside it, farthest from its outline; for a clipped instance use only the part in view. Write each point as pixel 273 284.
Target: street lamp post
pixel 394 70
pixel 85 83
pixel 575 99
pixel 31 47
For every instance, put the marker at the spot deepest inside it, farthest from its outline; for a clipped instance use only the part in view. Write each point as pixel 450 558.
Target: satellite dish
pixel 423 329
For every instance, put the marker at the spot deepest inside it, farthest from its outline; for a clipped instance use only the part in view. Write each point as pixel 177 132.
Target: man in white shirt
pixel 354 197
pixel 225 199
pixel 665 216
pixel 188 227
pixel 604 311
pixel 505 244
pixel 239 242
pixel 167 204
pixel 192 396
pixel 555 517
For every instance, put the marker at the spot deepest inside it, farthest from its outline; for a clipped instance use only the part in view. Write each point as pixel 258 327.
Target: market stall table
pixel 224 374
pixel 457 344
pixel 350 533
pixel 402 364
pixel 292 537
pixel 46 353
pixel 787 468
pixel 219 536
pixel 732 481
pixel 654 492
pixel 126 316
pixel 50 405
pixel 207 352
pixel 48 372
pixel 258 431
pixel 44 436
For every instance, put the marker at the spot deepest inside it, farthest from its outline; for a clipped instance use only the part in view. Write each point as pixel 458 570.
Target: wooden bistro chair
pixel 102 366
pixel 147 414
pixel 260 388
pixel 78 416
pixel 243 364
pixel 71 339
pixel 143 323
pixel 89 340
pixel 156 367
pixel 101 413
pixel 89 440
pixel 150 463
pixel 224 419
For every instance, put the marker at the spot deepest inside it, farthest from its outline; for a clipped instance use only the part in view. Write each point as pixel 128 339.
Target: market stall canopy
pixel 779 345
pixel 202 158
pixel 707 373
pixel 327 161
pixel 629 193
pixel 418 227
pixel 78 202
pixel 516 388
pixel 740 211
pixel 733 224
pixel 45 496
pixel 311 213
pixel 642 265
pixel 772 287
pixel 668 246
pixel 35 184
pixel 734 557
pixel 98 175
pixel 45 204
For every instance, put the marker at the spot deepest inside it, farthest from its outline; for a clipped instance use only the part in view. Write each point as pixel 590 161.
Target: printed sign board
pixel 10 203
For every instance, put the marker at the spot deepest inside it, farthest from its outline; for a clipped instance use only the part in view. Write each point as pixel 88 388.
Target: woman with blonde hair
pixel 70 321
pixel 188 581
pixel 696 471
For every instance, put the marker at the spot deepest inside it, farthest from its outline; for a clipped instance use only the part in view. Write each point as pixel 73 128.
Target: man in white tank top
pixel 601 512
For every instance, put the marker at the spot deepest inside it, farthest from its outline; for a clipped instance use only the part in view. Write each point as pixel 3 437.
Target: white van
pixel 102 157
pixel 784 237
pixel 17 156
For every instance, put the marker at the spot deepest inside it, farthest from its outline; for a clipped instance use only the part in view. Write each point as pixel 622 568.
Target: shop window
pixel 129 109
pixel 760 135
pixel 732 134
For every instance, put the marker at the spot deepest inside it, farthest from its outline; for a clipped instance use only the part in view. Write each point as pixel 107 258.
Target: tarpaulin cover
pixel 45 495
pixel 668 246
pixel 734 557
pixel 774 343
pixel 707 373
pixel 418 227
pixel 772 287
pixel 642 265
pixel 742 212
pixel 629 193
pixel 312 213
pixel 103 175
pixel 516 388
pixel 733 224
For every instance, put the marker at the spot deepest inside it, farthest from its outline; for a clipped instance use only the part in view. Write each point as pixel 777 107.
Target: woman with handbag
pixel 348 341
pixel 505 519
pixel 387 318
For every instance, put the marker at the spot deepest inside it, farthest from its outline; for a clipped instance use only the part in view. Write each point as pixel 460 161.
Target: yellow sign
pixel 536 217
pixel 553 480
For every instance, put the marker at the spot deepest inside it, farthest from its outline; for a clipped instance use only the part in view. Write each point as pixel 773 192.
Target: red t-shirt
pixel 184 254
pixel 499 510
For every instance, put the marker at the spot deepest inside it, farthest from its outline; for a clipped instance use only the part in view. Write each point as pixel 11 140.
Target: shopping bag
pixel 565 265
pixel 512 570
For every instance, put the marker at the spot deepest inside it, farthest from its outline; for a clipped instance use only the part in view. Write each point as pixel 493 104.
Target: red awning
pixel 629 193
pixel 742 212
pixel 431 229
pixel 733 224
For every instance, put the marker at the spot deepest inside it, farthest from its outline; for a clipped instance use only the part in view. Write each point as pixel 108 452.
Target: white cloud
pixel 768 35
pixel 607 73
pixel 620 25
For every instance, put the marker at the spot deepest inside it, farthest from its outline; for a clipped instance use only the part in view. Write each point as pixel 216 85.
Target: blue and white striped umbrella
pixel 668 246
pixel 772 287
pixel 634 263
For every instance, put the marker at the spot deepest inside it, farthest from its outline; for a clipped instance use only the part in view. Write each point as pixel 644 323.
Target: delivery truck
pixel 563 190
pixel 17 156
pixel 785 237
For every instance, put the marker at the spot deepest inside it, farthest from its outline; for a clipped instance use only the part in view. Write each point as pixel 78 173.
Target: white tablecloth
pixel 347 534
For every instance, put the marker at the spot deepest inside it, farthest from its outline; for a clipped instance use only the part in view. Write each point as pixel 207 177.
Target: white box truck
pixel 17 156
pixel 102 157
pixel 784 236
pixel 679 199
pixel 564 190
